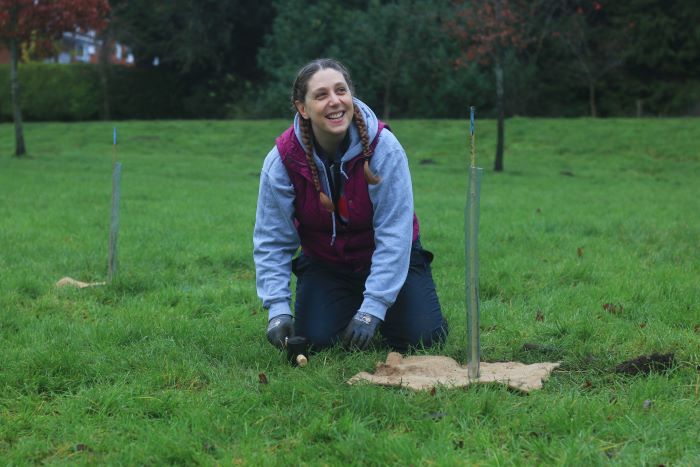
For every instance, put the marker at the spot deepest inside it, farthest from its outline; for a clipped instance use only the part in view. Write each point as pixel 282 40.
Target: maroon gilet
pixel 353 244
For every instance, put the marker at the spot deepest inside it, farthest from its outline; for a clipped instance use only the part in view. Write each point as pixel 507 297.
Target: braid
pixel 370 178
pixel 304 126
pixel 306 139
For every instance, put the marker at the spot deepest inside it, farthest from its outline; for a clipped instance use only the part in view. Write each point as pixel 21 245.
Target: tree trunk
pixel 105 52
pixel 591 98
pixel 20 149
pixel 498 71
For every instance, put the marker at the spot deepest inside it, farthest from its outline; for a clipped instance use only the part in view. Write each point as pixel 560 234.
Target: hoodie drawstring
pixel 333 222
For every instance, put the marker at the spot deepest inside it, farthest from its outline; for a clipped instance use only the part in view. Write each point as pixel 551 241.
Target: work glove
pixel 360 330
pixel 279 329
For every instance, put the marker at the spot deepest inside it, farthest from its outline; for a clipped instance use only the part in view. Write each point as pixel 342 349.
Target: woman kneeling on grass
pixel 337 183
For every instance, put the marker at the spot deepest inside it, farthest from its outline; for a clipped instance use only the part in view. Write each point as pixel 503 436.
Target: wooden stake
pixel 114 219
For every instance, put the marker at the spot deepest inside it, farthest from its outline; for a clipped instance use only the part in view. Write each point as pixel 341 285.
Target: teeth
pixel 335 115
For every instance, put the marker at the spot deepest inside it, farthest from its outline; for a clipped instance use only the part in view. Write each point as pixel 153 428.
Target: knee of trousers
pixel 437 336
pixel 425 339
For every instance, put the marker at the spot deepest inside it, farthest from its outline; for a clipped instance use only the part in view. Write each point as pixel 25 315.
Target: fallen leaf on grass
pixel 539 316
pixel 613 308
pixel 579 252
pixel 262 377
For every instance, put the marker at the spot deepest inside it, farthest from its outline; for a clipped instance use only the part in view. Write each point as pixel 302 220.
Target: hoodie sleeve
pixel 392 199
pixel 275 239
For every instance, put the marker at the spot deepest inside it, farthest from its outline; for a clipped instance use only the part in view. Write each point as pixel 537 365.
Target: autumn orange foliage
pixel 485 28
pixel 46 20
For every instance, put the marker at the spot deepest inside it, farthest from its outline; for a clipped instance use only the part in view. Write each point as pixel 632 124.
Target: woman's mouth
pixel 336 115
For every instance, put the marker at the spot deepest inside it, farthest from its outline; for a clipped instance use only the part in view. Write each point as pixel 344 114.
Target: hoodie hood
pixel 355 148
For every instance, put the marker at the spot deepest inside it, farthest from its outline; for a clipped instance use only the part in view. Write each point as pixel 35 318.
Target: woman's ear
pixel 301 108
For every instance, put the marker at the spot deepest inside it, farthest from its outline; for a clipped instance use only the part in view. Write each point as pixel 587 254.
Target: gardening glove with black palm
pixel 360 330
pixel 279 329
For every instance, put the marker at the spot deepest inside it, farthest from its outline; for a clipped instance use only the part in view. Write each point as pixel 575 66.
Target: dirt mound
pixel 427 372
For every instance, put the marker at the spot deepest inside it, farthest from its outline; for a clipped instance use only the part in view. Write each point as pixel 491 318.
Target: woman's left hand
pixel 360 330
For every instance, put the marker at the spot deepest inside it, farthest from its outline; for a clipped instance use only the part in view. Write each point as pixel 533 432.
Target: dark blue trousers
pixel 327 297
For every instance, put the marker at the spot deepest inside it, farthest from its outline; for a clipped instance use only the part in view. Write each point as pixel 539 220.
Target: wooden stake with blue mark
pixel 114 219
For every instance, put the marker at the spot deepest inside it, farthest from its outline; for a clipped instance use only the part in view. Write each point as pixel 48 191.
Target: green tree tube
pixel 471 231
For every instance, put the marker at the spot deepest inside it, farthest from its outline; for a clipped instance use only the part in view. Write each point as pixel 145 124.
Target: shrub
pixel 53 92
pixel 75 92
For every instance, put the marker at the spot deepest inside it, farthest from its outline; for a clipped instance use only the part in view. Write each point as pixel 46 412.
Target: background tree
pixel 237 57
pixel 661 73
pixel 301 31
pixel 487 31
pixel 388 36
pixel 398 52
pixel 41 20
pixel 597 44
pixel 209 45
pixel 106 36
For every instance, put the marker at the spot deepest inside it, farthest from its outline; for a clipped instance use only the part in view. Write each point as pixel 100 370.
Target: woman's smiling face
pixel 328 104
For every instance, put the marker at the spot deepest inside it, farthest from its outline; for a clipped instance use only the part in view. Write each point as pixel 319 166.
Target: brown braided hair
pixel 299 90
pixel 305 126
pixel 370 177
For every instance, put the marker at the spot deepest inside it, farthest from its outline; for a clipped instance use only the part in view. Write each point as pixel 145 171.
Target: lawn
pixel 589 255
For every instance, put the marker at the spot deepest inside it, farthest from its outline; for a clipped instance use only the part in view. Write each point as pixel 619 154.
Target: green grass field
pixel 589 255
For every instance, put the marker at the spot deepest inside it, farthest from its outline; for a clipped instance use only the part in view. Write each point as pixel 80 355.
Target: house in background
pixel 85 47
pixel 82 47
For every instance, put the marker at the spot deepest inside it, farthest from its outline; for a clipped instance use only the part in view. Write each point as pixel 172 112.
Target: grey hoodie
pixel 275 239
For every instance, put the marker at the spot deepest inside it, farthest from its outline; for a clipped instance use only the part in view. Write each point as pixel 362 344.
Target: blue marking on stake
pixel 472 110
pixel 114 139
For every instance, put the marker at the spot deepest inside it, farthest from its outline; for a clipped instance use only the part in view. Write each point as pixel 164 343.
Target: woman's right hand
pixel 279 329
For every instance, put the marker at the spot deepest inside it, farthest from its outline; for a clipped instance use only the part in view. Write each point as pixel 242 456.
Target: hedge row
pixel 77 92
pixel 81 92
